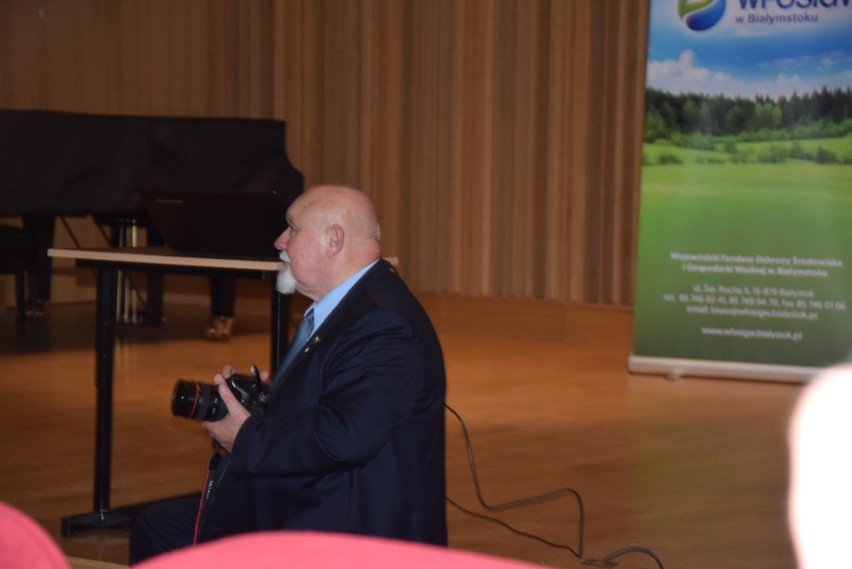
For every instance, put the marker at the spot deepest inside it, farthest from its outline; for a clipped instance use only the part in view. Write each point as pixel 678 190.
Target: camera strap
pixel 215 471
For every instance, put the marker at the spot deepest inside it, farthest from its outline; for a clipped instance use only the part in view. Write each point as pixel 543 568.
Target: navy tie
pixel 302 335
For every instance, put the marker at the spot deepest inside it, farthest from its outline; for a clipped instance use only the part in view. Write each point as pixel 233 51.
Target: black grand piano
pixel 60 164
pixel 57 164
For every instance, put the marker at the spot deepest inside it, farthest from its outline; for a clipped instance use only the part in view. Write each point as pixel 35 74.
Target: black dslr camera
pixel 201 401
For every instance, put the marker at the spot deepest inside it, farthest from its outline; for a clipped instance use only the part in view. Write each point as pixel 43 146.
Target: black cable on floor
pixel 514 503
pixel 513 529
pixel 533 500
pixel 634 549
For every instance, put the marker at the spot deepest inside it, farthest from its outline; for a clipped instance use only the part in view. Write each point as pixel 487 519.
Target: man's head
pixel 332 234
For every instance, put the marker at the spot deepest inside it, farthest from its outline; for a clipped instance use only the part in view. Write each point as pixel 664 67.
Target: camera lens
pixel 198 401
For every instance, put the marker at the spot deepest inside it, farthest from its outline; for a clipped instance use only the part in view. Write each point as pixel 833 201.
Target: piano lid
pixel 69 163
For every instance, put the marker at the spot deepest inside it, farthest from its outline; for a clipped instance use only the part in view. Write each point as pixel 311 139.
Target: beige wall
pixel 500 139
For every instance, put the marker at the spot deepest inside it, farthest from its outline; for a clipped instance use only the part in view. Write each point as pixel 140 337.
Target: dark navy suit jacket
pixel 353 437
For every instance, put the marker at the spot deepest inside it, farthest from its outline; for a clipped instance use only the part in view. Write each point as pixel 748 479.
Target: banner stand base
pixel 674 368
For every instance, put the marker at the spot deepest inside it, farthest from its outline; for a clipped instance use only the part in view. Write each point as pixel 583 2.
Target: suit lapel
pixel 342 314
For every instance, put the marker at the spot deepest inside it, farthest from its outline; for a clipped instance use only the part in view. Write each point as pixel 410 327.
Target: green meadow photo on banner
pixel 744 262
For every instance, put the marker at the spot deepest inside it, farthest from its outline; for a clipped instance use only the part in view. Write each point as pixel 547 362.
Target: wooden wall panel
pixel 468 206
pixel 500 139
pixel 426 245
pixel 53 52
pixel 174 58
pixel 384 131
pixel 254 70
pixel 580 38
pixel 562 113
pixel 298 81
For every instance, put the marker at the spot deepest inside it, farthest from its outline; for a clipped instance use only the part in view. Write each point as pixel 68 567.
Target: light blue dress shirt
pixel 324 306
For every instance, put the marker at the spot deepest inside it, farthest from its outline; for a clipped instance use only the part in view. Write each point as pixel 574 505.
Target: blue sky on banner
pixel 750 47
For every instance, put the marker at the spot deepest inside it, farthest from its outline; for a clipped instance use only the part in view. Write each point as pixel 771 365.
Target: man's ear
pixel 334 238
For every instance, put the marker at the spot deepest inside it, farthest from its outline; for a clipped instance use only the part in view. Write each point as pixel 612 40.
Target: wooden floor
pixel 693 470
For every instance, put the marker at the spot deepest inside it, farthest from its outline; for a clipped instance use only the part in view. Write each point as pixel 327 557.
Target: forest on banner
pixel 719 125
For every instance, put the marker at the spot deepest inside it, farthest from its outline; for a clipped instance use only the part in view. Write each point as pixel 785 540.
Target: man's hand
pixel 225 431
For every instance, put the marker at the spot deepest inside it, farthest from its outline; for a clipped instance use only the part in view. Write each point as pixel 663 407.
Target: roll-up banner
pixel 744 265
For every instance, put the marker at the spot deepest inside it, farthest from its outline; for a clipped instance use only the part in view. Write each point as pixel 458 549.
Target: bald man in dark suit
pixel 352 439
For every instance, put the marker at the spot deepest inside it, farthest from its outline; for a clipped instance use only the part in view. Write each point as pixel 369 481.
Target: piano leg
pixel 39 266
